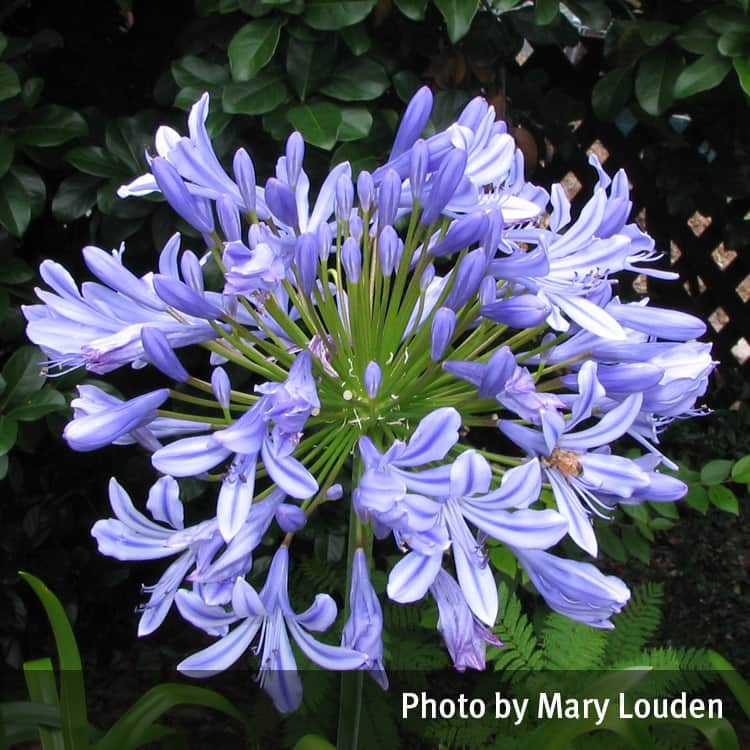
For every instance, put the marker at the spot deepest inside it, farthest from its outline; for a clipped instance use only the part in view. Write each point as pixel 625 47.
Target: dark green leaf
pixel 34 186
pixel 276 124
pixel 611 93
pixel 94 160
pixel 361 80
pixel 15 205
pixel 3 42
pixel 742 67
pixel 263 94
pixel 405 83
pixel 357 39
pixel 72 691
pixel 359 154
pixel 308 65
pixel 75 197
pixel 129 729
pixel 32 90
pixel 458 15
pixel 318 123
pixel 655 80
pixel 697 37
pixel 723 498
pixel 332 15
pixel 697 498
pixel 413 9
pixel 734 43
pixel 7 150
pixel 356 123
pixel 611 544
pixel 16 271
pixel 666 510
pixel 636 544
pixel 45 402
pixel 253 46
pixel 126 138
pixel 545 11
pixel 741 470
pixel 724 18
pixel 192 70
pixel 188 96
pixel 661 524
pixel 654 33
pixel 715 472
pixel 704 74
pixel 23 375
pixel 9 83
pixel 8 433
pixel 51 126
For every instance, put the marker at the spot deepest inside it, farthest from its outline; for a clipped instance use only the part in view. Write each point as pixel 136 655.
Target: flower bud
pixel 390 248
pixel 443 327
pixel 444 185
pixel 413 122
pixel 192 273
pixel 468 276
pixel 161 355
pixel 420 157
pixel 389 196
pixel 487 291
pixel 229 218
pixel 290 518
pixel 335 492
pixel 522 311
pixel 221 387
pixel 295 153
pixel 351 259
pixel 195 212
pixel 244 175
pixel 462 233
pixel 306 256
pixel 365 190
pixel 281 202
pixel 373 378
pixel 344 198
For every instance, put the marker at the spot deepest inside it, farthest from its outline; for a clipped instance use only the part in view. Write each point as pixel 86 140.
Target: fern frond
pixel 636 625
pixel 520 651
pixel 570 645
pixel 668 671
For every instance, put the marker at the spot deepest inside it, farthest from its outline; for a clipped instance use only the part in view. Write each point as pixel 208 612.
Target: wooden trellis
pixel 714 280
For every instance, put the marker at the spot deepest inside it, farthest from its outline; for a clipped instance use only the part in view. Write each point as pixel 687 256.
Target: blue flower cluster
pixel 380 323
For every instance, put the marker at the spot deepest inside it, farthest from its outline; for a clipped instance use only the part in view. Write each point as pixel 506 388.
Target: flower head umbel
pixel 372 329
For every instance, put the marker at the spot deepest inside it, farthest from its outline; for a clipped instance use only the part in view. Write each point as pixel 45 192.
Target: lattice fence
pixel 714 279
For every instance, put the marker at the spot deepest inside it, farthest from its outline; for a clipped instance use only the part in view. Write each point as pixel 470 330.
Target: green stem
pixel 350 700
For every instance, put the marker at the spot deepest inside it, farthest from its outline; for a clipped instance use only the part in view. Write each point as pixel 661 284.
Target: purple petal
pixel 411 576
pixel 222 654
pixel 164 502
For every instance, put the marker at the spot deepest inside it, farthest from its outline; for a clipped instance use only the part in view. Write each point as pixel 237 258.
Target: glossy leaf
pixel 9 83
pixel 356 123
pixel 15 205
pixel 697 498
pixel 412 9
pixel 723 498
pixel 7 150
pixel 263 94
pixel 8 434
pixel 742 68
pixel 308 65
pixel 360 80
pixel 655 80
pixel 458 15
pixel 611 93
pixel 45 402
pixel 190 70
pixel 331 15
pixel 75 197
pixel 94 160
pixel 34 186
pixel 696 37
pixel 357 39
pixel 741 470
pixel 51 126
pixel 545 11
pixel 716 471
pixel 253 46
pixel 704 74
pixel 318 123
pixel 655 33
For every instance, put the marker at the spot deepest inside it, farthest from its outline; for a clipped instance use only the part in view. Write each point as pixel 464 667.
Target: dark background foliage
pixel 662 87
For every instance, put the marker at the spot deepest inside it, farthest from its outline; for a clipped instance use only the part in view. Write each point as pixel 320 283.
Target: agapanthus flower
pixel 369 330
